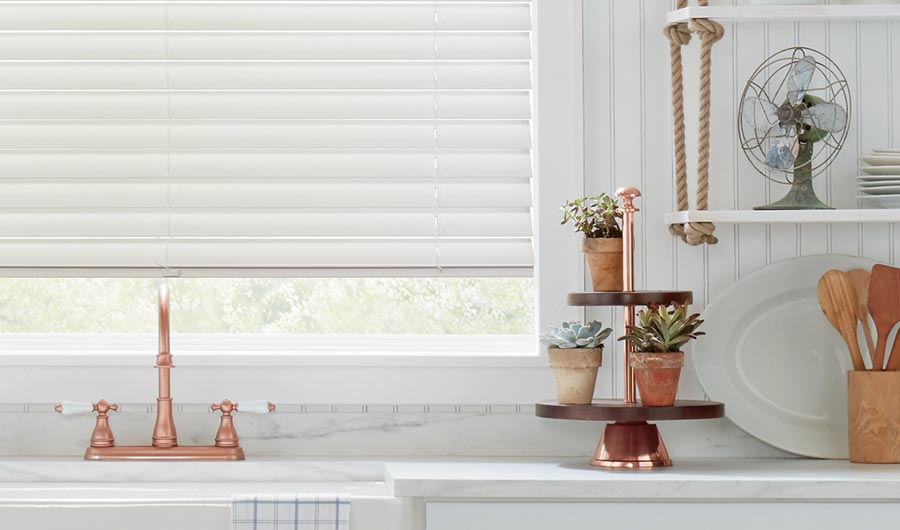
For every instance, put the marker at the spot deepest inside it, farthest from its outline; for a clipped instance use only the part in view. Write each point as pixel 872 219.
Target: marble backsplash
pixel 364 430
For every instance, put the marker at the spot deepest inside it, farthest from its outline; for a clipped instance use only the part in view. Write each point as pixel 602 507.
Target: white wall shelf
pixel 800 13
pixel 785 216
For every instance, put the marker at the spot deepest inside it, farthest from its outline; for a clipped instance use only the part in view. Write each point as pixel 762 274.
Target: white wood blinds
pixel 240 137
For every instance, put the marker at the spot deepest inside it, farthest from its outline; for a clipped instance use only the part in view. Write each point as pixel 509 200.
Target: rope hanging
pixel 679 34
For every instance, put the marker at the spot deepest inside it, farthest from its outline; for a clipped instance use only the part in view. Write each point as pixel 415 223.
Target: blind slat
pixel 382 223
pixel 254 134
pixel 234 75
pixel 268 105
pixel 260 193
pixel 260 15
pixel 163 45
pixel 248 164
pixel 260 253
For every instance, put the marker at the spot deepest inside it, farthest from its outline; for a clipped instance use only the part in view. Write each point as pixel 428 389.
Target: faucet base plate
pixel 147 452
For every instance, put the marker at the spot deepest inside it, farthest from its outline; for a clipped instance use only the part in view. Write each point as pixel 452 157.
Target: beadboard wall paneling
pixel 628 142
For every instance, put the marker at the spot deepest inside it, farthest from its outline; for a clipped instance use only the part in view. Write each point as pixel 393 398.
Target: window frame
pixel 557 129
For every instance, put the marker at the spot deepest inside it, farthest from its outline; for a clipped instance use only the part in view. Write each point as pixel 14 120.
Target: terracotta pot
pixel 604 261
pixel 656 376
pixel 874 417
pixel 575 373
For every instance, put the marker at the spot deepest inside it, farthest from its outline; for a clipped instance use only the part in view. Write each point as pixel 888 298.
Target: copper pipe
pixel 164 434
pixel 628 195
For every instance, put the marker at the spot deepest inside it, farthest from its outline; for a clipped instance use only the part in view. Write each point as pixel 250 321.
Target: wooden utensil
pixel 837 298
pixel 860 280
pixel 884 306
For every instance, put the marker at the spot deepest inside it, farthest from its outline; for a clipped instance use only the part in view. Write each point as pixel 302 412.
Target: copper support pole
pixel 627 210
pixel 164 430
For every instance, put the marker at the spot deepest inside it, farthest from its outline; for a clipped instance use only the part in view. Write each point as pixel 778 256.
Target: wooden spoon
pixel 860 280
pixel 838 301
pixel 884 306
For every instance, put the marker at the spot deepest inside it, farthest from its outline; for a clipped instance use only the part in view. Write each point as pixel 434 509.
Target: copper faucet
pixel 164 442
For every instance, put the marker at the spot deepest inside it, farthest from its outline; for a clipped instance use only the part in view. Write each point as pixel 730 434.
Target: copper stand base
pixel 631 445
pixel 146 452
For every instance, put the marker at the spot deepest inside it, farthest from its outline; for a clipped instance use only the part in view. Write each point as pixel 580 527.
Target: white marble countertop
pixel 449 478
pixel 169 493
pixel 295 470
pixel 694 479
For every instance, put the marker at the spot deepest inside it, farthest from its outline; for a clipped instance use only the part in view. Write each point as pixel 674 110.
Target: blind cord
pixel 435 137
pixel 167 264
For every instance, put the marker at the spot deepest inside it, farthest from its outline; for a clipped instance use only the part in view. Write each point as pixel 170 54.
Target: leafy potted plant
pixel 575 352
pixel 656 357
pixel 597 218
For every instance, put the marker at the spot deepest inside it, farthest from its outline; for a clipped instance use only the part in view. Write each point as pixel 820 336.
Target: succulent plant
pixel 660 330
pixel 576 335
pixel 593 216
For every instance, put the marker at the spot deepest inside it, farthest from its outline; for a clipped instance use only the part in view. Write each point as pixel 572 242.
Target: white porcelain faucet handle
pixel 255 407
pixel 68 408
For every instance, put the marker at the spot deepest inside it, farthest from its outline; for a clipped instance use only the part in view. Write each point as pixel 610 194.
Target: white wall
pixel 627 130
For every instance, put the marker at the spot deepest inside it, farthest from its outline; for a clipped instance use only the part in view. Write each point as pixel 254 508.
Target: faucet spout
pixel 164 430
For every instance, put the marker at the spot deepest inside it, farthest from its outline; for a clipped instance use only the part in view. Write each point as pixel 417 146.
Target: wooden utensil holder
pixel 873 399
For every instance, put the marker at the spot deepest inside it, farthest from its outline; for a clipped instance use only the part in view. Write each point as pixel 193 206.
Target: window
pixel 294 167
pixel 271 305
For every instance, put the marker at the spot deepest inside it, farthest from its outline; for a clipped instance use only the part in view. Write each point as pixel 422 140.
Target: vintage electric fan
pixel 793 122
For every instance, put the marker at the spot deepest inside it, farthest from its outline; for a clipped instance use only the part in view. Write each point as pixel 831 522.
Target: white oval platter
pixel 775 361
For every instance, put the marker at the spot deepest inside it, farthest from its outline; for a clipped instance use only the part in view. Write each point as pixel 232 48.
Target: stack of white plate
pixel 879 182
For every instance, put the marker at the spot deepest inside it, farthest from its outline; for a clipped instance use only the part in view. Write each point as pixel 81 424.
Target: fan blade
pixel 781 151
pixel 826 116
pixel 799 78
pixel 760 114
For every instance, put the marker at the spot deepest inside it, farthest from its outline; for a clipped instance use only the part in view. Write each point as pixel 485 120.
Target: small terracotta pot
pixel 575 373
pixel 874 417
pixel 604 261
pixel 656 375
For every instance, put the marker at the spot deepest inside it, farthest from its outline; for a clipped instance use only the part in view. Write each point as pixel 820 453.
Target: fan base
pixel 800 197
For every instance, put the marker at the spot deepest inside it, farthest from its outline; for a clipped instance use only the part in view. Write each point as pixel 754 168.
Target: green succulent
pixel 660 330
pixel 575 335
pixel 593 216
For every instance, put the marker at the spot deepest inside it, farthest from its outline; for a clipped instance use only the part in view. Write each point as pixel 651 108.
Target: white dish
pixel 882 159
pixel 881 170
pixel 877 180
pixel 772 357
pixel 886 150
pixel 879 190
pixel 881 201
pixel 862 185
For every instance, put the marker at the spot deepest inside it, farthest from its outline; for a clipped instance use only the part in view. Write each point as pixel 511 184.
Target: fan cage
pixel 834 90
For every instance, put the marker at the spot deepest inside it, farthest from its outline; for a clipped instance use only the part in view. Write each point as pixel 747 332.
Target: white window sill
pixel 272 350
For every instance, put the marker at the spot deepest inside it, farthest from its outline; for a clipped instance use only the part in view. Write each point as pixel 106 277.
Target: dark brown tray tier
pixel 617 410
pixel 624 298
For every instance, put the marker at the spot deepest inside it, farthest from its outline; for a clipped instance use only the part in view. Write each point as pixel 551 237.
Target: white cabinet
pixel 663 515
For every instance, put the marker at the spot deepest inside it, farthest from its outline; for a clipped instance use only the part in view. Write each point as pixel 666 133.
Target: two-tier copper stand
pixel 630 442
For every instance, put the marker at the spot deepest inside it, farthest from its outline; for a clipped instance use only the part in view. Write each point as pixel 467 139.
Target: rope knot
pixel 679 33
pixel 695 233
pixel 708 30
pixel 699 233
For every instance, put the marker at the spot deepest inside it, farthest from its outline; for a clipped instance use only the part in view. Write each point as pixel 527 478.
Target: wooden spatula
pixel 860 280
pixel 884 306
pixel 837 298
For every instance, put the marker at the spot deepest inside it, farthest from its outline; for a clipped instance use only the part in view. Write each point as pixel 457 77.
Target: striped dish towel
pixel 290 512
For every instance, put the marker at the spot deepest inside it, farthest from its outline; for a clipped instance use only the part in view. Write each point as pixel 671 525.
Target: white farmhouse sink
pixel 45 494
